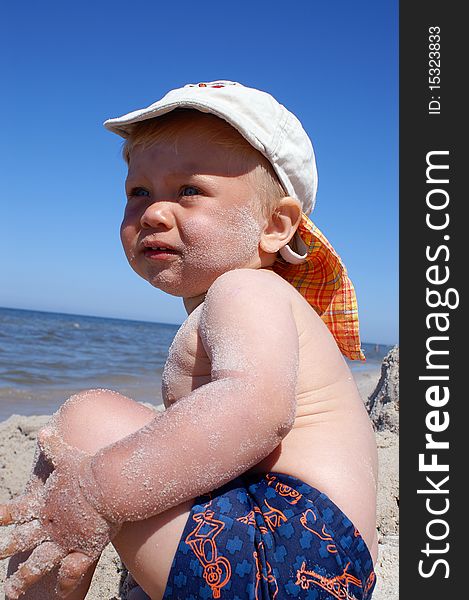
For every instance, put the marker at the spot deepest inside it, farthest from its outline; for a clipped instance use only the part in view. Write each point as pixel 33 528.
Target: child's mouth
pixel 158 252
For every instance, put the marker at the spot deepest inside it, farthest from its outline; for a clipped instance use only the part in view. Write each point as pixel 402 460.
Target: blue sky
pixel 69 66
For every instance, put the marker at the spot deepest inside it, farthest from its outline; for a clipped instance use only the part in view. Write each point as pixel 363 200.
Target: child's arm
pixel 221 429
pixel 205 439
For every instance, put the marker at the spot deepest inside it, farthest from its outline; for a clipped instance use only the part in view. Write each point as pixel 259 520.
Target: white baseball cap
pixel 265 123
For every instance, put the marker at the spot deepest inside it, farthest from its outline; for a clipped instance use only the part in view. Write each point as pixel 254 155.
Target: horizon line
pixel 53 312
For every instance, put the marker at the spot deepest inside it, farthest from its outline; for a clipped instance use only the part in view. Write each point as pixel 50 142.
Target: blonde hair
pixel 170 127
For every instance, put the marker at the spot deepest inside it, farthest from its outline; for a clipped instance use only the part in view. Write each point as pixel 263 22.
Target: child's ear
pixel 281 226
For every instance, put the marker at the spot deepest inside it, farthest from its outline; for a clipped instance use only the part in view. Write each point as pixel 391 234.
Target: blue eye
pixel 139 192
pixel 189 190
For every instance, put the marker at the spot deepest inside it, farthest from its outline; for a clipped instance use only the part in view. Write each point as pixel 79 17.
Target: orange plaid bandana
pixel 322 279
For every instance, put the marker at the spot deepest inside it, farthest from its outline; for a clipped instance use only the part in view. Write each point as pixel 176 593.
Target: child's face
pixel 195 200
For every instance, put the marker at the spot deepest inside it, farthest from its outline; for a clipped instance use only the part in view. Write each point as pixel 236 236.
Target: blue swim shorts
pixel 269 536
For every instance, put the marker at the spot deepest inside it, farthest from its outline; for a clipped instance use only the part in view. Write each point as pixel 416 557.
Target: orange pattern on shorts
pixel 369 582
pixel 273 518
pixel 305 520
pixel 270 560
pixel 269 576
pixel 284 490
pixel 248 519
pixel 337 586
pixel 323 281
pixel 217 569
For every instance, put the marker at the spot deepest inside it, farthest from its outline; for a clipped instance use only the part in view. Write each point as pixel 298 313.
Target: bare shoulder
pixel 265 309
pixel 264 296
pixel 248 312
pixel 252 284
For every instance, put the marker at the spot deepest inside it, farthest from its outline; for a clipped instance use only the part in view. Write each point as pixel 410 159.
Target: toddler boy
pixel 259 478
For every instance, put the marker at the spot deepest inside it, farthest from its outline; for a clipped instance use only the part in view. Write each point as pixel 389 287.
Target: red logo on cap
pixel 215 84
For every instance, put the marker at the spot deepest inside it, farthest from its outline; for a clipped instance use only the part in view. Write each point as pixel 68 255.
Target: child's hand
pixel 56 522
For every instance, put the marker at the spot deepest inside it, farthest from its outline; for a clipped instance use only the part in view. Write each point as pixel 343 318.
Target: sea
pixel 46 357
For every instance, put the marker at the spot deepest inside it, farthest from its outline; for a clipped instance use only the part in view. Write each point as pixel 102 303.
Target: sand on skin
pixel 17 443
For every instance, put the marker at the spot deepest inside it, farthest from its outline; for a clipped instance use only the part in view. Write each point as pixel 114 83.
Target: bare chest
pixel 188 365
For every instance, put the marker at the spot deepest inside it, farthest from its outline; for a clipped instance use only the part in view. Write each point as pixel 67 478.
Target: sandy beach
pixel 17 443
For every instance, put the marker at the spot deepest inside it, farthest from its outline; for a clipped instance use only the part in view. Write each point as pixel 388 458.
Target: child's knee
pixel 96 418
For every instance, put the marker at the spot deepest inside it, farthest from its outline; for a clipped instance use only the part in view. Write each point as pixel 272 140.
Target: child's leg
pixel 89 421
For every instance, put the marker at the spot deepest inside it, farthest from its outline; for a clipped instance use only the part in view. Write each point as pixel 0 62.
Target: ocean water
pixel 46 357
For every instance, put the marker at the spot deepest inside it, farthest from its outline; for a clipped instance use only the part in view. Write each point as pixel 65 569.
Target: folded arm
pixel 221 429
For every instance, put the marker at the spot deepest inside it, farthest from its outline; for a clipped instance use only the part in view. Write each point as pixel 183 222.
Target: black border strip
pixel 433 269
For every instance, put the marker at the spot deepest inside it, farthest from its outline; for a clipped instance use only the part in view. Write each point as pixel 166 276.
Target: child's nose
pixel 158 213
